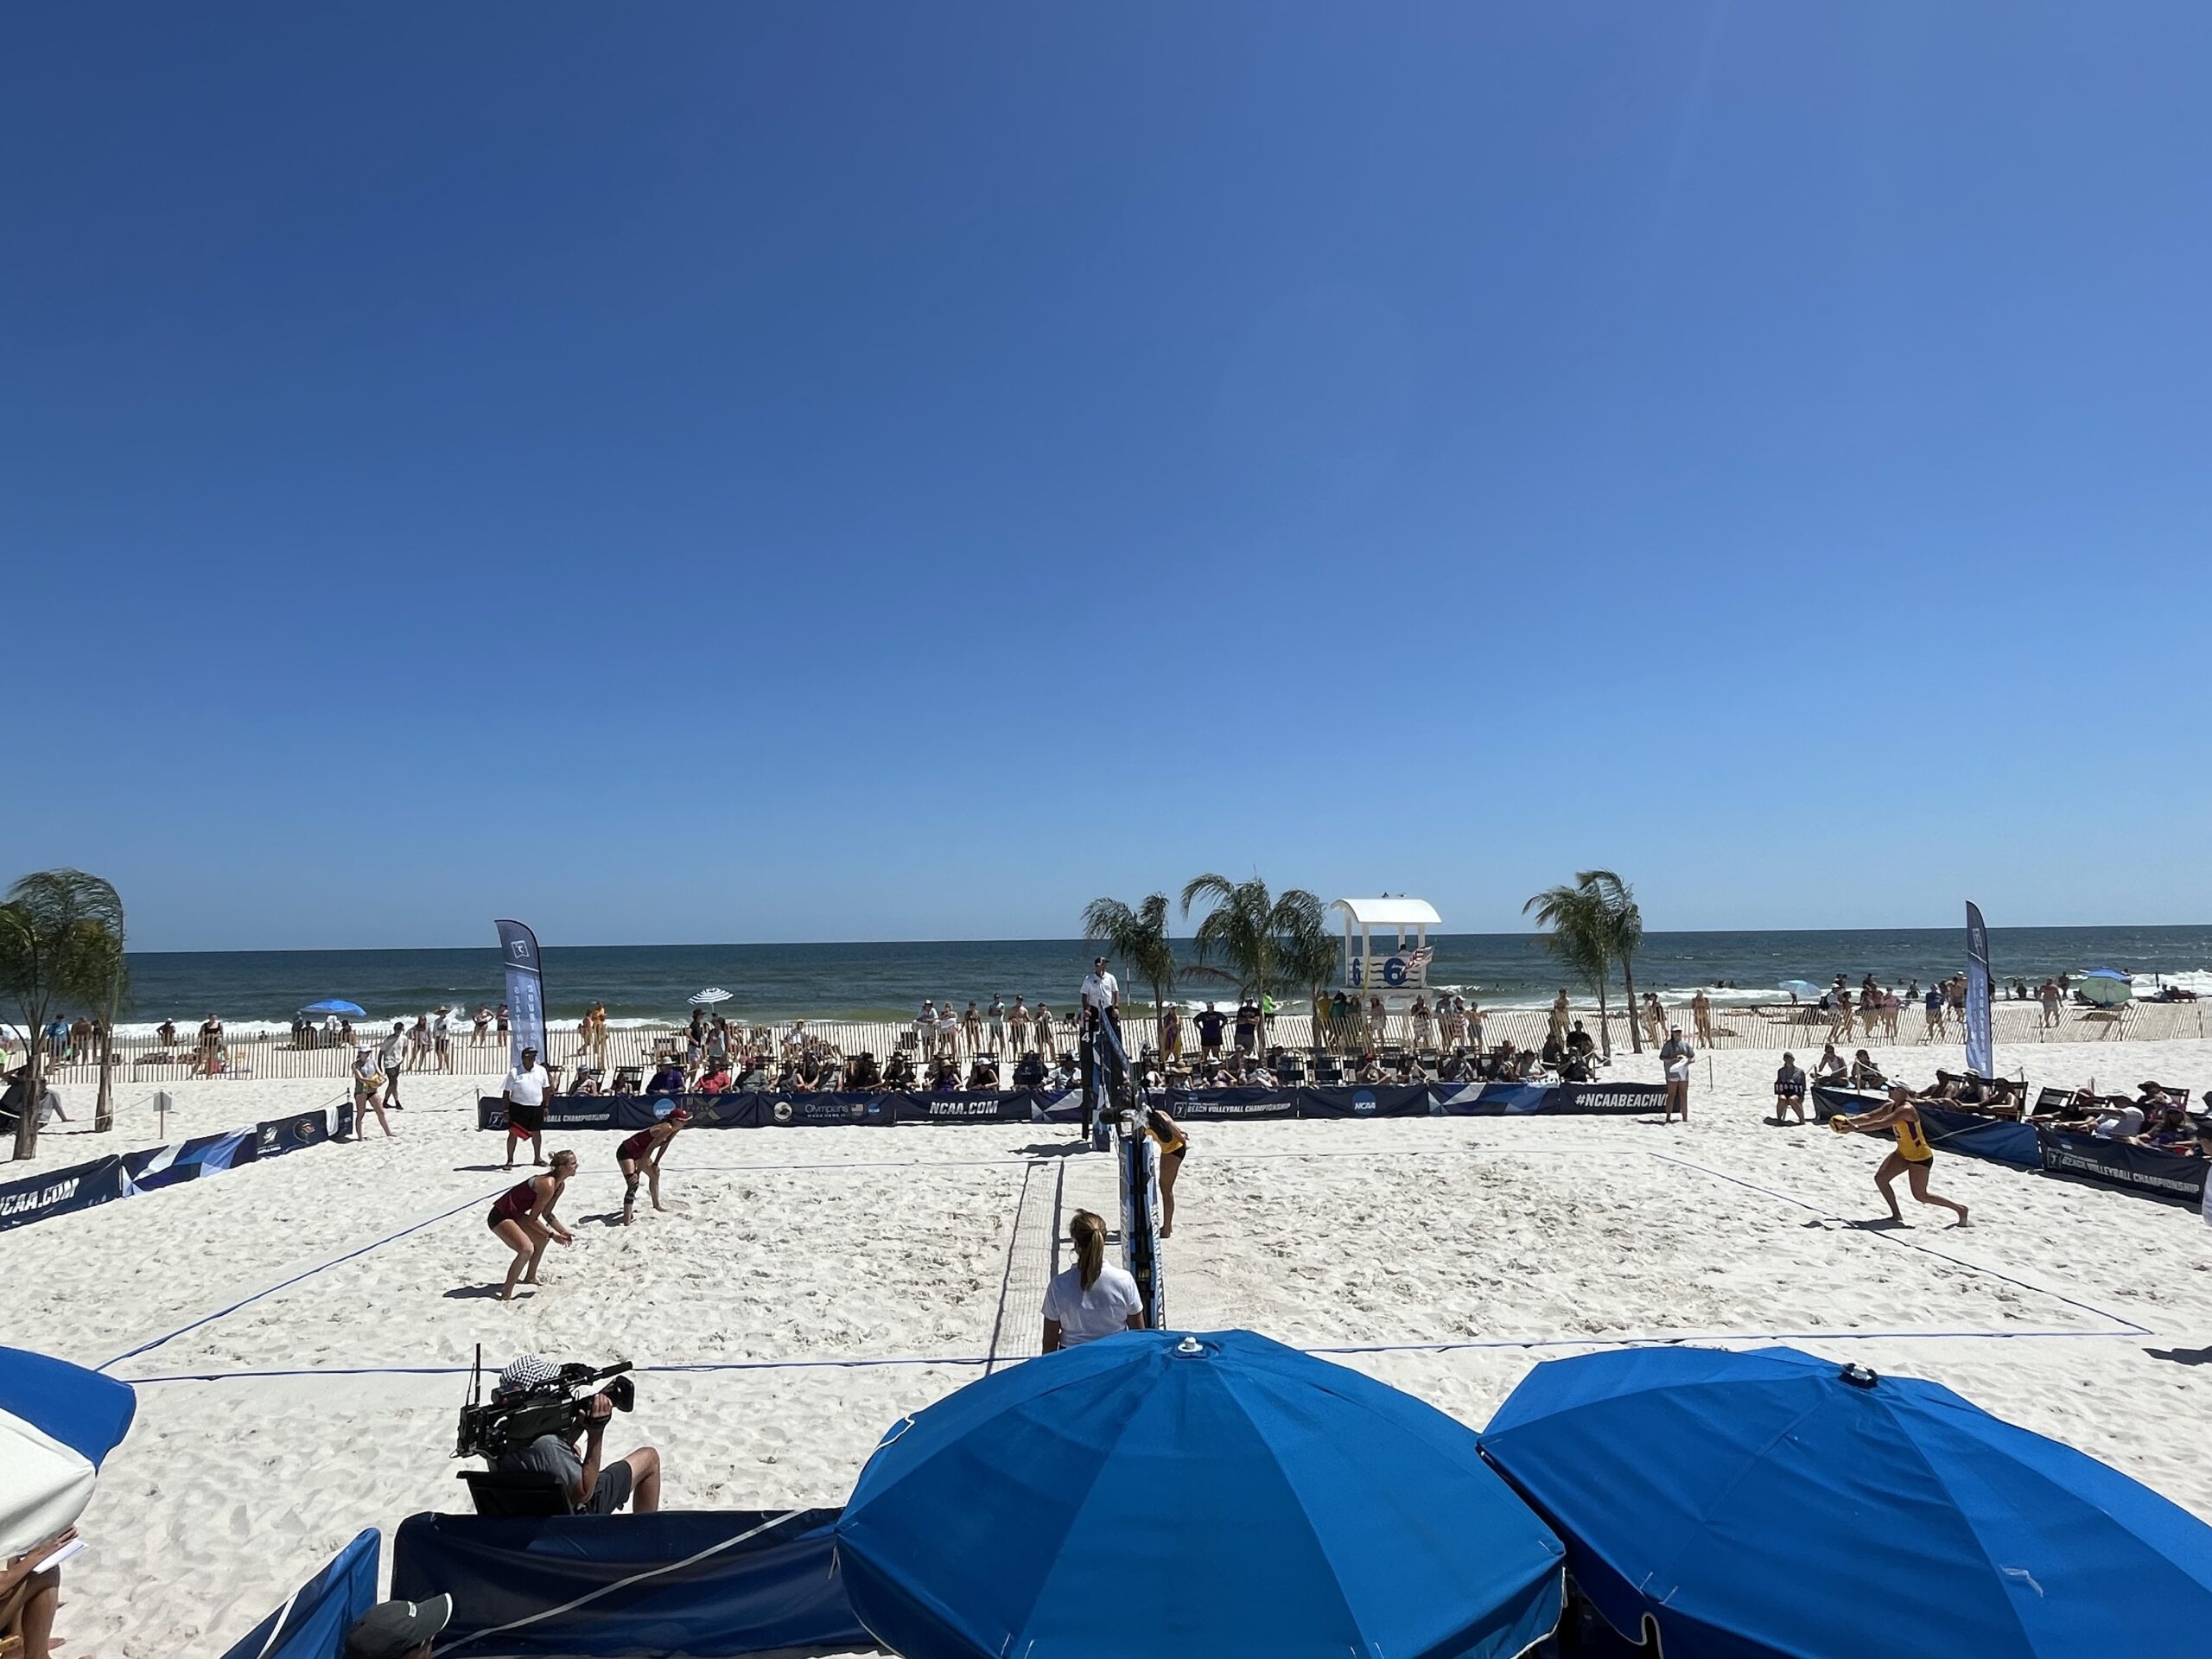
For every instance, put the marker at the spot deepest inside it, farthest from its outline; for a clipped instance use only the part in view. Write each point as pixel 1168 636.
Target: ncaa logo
pixel 1362 1102
pixel 783 1112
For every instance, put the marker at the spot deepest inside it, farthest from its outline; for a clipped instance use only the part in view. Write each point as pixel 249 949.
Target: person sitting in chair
pixel 899 1070
pixel 1029 1071
pixel 1864 1074
pixel 984 1074
pixel 667 1078
pixel 862 1075
pixel 591 1489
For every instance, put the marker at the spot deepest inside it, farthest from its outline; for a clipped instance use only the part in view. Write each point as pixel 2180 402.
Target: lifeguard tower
pixel 1397 971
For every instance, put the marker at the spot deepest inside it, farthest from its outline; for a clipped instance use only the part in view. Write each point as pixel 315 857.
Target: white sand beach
pixel 299 1330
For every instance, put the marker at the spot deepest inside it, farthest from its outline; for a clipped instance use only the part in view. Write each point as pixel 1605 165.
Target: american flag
pixel 1417 960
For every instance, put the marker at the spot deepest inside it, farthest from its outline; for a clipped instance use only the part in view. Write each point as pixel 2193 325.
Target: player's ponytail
pixel 1090 1236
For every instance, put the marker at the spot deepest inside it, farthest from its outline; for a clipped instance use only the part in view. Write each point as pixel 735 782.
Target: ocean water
pixel 653 982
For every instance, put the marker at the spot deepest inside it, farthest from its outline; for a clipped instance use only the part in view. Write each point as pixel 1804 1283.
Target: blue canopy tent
pixel 1172 1495
pixel 1769 1503
pixel 58 1423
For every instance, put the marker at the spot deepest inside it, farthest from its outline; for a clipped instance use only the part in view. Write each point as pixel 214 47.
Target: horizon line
pixel 1078 939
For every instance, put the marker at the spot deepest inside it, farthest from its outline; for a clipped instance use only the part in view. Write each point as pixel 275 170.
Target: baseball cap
pixel 393 1629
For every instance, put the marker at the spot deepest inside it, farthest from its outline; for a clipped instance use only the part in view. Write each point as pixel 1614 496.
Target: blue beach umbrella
pixel 339 1006
pixel 1170 1496
pixel 1771 1504
pixel 57 1423
pixel 1800 987
pixel 2105 987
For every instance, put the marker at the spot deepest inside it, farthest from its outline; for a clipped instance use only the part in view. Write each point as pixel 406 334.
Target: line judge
pixel 1101 999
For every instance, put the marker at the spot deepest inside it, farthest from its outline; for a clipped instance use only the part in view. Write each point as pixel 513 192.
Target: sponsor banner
pixel 834 1111
pixel 978 1106
pixel 187 1160
pixel 1382 1100
pixel 277 1135
pixel 2138 1169
pixel 60 1191
pixel 738 1109
pixel 1602 1098
pixel 562 1112
pixel 525 992
pixel 1828 1101
pixel 2006 1141
pixel 1978 1034
pixel 1227 1103
pixel 1064 1106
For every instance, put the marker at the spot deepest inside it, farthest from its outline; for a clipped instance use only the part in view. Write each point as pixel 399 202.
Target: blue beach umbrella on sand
pixel 2105 987
pixel 1769 1503
pixel 338 1006
pixel 57 1421
pixel 1170 1496
pixel 1799 987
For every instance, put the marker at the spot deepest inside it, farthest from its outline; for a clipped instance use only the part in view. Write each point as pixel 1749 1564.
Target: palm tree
pixel 60 946
pixel 1138 937
pixel 1266 943
pixel 1581 936
pixel 1624 933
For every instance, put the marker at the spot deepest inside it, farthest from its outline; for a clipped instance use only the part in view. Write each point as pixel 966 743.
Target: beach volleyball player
pixel 1173 1145
pixel 640 1155
pixel 523 1221
pixel 1913 1158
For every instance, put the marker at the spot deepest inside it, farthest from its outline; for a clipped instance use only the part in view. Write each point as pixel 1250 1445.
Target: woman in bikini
pixel 1913 1158
pixel 522 1219
pixel 641 1154
pixel 1173 1145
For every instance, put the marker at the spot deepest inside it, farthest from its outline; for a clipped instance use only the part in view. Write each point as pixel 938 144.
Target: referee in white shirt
pixel 1100 998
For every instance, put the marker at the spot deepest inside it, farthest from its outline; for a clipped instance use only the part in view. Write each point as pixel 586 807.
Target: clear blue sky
pixel 647 469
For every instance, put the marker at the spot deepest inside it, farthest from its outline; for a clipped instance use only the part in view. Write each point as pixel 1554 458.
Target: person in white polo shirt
pixel 526 1088
pixel 1091 1299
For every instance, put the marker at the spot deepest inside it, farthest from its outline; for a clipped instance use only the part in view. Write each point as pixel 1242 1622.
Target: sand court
pixel 301 1329
pixel 1434 1248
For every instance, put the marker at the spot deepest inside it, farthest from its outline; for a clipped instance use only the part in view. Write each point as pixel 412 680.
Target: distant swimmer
pixel 641 1154
pixel 1913 1158
pixel 522 1219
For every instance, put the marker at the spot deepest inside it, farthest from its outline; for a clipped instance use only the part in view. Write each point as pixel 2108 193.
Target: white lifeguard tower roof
pixel 1389 912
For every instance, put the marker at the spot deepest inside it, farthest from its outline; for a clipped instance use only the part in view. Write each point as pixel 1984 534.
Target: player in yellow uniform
pixel 1173 1144
pixel 1913 1158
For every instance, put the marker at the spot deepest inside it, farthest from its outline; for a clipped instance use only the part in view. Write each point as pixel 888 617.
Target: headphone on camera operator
pixel 535 1417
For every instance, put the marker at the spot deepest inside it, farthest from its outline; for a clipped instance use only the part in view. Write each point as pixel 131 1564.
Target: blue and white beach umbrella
pixel 57 1423
pixel 708 997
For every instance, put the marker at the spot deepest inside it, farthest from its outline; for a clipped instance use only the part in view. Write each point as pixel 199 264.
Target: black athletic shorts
pixel 530 1120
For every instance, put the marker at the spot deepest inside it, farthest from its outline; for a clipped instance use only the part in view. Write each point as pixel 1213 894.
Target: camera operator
pixel 593 1490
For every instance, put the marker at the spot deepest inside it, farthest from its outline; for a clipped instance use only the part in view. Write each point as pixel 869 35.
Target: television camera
pixel 560 1406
